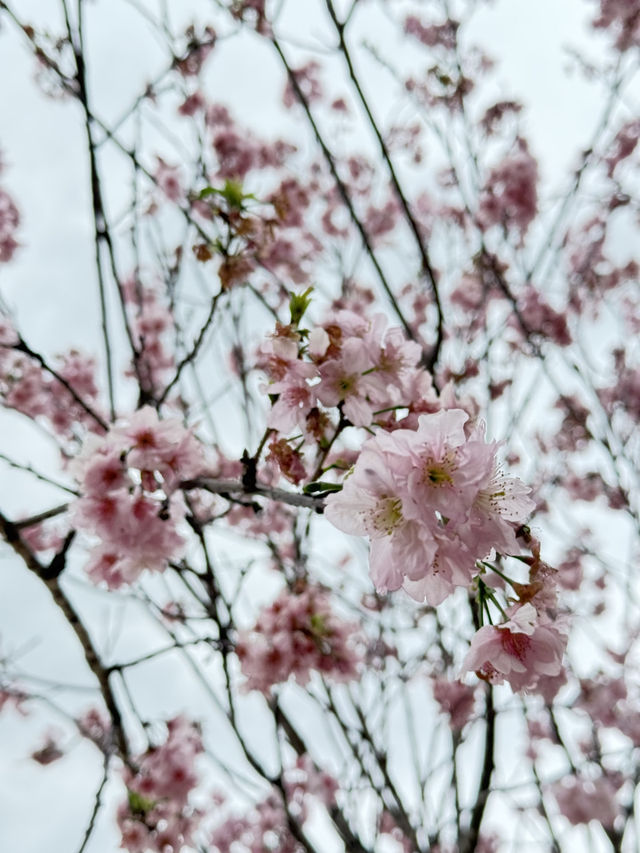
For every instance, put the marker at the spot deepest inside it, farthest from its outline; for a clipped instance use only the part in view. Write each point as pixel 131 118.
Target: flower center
pixel 387 515
pixel 515 644
pixel 439 472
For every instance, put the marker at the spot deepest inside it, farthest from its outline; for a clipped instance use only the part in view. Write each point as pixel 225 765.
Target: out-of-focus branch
pixel 23 347
pixel 352 842
pixel 32 520
pixel 469 839
pixel 50 576
pixel 39 476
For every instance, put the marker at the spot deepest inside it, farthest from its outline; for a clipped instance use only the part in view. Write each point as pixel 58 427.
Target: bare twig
pixel 428 271
pixel 236 488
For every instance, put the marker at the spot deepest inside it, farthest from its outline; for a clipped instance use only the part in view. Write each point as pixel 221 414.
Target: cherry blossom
pixel 135 519
pixel 157 815
pixel 295 635
pixel 432 502
pixel 520 650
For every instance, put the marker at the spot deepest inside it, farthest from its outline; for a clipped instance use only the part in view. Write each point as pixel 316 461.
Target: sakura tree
pixel 320 415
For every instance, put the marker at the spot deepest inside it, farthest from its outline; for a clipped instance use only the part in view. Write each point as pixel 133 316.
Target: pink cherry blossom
pixel 342 381
pixel 510 195
pixel 129 503
pixel 455 699
pixel 296 397
pixel 298 633
pixel 157 815
pixel 520 650
pixel 432 502
pixel 582 800
pixel 623 18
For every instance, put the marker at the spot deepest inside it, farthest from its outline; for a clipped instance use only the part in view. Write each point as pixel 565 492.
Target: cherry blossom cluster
pixel 427 488
pixel 582 800
pixel 608 704
pixel 38 393
pixel 623 18
pixel 151 324
pixel 524 650
pixel 432 35
pixel 129 501
pixel 349 362
pixel 9 221
pixel 510 196
pixel 455 699
pixel 433 501
pixel 265 825
pixel 157 815
pixel 296 634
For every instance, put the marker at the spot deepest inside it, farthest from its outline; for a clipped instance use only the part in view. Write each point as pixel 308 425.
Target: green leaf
pixel 139 804
pixel 298 304
pixel 206 192
pixel 318 625
pixel 231 192
pixel 321 487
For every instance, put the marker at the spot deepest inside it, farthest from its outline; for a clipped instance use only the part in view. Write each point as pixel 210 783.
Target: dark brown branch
pixel 50 576
pixel 428 272
pixel 99 219
pixel 469 840
pixel 41 516
pixel 42 477
pixel 193 352
pixel 23 347
pixel 96 805
pixel 351 841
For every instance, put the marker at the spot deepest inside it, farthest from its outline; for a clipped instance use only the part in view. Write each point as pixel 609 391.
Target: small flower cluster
pixel 296 634
pixel 432 35
pixel 510 195
pixel 9 221
pixel 29 388
pixel 582 800
pixel 432 497
pixel 157 815
pixel 527 648
pixel 456 700
pixel 263 828
pixel 622 17
pixel 151 324
pixel 128 479
pixel 350 362
pixel 523 650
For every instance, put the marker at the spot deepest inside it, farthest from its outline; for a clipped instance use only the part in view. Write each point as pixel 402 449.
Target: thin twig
pixel 50 576
pixel 193 352
pixel 238 488
pixel 96 804
pixel 427 269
